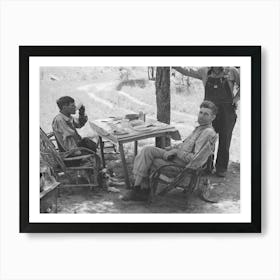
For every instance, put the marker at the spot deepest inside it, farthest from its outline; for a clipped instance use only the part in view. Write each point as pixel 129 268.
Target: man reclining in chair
pixel 64 126
pixel 151 158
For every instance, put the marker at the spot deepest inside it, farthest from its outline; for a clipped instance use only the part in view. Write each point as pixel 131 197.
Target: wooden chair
pixel 107 146
pixel 52 137
pixel 196 171
pixel 69 169
pixel 48 189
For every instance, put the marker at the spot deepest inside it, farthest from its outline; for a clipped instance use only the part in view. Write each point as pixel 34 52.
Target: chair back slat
pixel 49 153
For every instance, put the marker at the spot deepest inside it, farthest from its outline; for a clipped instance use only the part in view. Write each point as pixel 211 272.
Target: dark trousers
pixel 87 143
pixel 91 145
pixel 223 125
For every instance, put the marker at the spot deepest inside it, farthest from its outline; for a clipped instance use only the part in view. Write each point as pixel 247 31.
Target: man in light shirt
pixel 151 158
pixel 222 87
pixel 65 126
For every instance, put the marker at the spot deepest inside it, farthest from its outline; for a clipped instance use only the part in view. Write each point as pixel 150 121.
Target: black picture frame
pixel 254 52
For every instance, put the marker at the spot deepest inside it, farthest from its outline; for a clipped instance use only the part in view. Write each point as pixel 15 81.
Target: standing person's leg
pixel 217 125
pixel 226 122
pixel 230 121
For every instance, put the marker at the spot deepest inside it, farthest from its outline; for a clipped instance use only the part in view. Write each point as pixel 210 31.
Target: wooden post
pixel 163 100
pixel 102 151
pixel 135 148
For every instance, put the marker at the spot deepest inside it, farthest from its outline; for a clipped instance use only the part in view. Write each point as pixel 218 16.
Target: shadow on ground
pixel 100 200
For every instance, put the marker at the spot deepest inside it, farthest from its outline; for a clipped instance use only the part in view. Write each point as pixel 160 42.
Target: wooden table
pixel 108 129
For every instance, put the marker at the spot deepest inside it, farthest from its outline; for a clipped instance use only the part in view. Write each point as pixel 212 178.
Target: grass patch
pixel 141 83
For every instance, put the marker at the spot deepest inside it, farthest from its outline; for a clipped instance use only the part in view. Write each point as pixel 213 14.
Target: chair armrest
pixel 170 165
pixel 78 149
pixel 50 134
pixel 77 157
pixel 158 171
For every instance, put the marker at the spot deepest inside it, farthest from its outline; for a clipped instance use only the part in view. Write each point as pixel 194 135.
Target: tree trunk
pixel 163 101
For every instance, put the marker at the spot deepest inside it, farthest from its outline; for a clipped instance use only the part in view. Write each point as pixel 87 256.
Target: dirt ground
pixel 101 200
pixel 99 89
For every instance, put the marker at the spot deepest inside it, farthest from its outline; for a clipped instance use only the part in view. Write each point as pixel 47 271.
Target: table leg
pixel 124 166
pixel 135 148
pixel 163 142
pixel 160 142
pixel 102 151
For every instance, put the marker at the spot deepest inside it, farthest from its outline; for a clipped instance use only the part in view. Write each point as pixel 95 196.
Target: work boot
pixel 136 194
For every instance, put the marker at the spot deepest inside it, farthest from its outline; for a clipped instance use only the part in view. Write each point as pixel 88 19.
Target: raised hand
pixel 82 110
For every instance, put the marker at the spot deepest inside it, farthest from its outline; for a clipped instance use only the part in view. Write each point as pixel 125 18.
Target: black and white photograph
pixel 139 139
pixel 143 138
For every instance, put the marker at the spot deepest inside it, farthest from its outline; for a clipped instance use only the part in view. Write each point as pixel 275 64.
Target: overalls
pixel 218 91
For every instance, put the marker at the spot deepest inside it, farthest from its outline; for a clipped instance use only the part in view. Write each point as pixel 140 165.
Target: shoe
pixel 136 195
pixel 221 174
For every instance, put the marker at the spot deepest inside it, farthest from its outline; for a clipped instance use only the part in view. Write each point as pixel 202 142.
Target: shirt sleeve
pixel 204 137
pixel 64 134
pixel 234 75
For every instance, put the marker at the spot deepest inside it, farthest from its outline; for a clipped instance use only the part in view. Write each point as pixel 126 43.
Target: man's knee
pixel 156 149
pixel 152 151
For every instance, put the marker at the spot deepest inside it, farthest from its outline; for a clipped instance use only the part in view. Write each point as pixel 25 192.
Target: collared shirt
pixel 65 131
pixel 187 150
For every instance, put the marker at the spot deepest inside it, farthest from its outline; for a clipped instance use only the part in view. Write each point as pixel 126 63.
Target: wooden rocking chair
pixel 194 171
pixel 69 169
